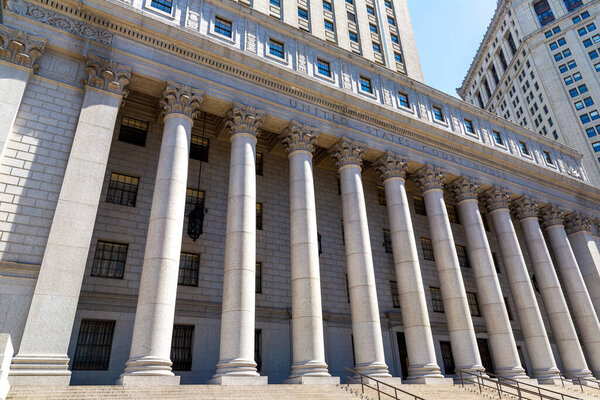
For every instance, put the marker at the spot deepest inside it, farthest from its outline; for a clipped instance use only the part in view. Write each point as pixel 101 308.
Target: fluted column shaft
pixel 563 329
pixel 523 295
pixel 150 355
pixel 366 325
pixel 308 344
pixel 422 362
pixel 582 308
pixel 236 358
pixel 489 293
pixel 460 326
pixel 42 358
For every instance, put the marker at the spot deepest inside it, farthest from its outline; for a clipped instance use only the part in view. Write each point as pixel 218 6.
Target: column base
pixel 377 370
pixel 239 380
pixel 428 380
pixel 148 366
pixel 391 380
pixel 313 380
pixel 45 370
pixel 426 374
pixel 554 381
pixel 583 374
pixel 517 373
pixel 148 380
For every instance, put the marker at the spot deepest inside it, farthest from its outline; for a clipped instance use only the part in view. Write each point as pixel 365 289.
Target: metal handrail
pixel 377 387
pixel 581 385
pixel 519 386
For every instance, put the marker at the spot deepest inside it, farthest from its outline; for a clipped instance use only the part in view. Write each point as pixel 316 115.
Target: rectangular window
pixel 94 343
pixel 452 214
pixel 189 265
pixel 370 10
pixel 162 5
pixel 395 294
pixel 376 48
pixel 498 138
pixel 591 132
pixel 403 100
pixel 122 189
pixel 353 37
pixel 463 259
pixel 472 300
pixel 573 4
pixel 373 28
pixel 329 25
pixel 258 278
pixel 469 126
pixel 223 27
pixel 387 240
pixel 524 149
pixel 391 21
pixel 109 260
pixel 436 299
pixel 193 197
pixel 381 195
pixel 259 164
pixel 302 13
pixel 447 359
pixel 388 3
pixel 259 216
pixel 276 3
pixel 419 204
pixel 181 347
pixel 199 148
pixel 351 16
pixel 323 68
pixel 365 84
pixel 543 12
pixel 327 6
pixel 394 39
pixel 427 248
pixel 133 131
pixel 437 113
pixel 276 48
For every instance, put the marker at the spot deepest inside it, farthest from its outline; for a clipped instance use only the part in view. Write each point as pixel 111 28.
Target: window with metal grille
pixel 189 265
pixel 463 259
pixel 257 349
pixel 181 347
pixel 258 278
pixel 122 189
pixel 109 260
pixel 223 26
pixel 276 48
pixel 573 5
pixel 192 197
pixel 427 248
pixel 436 299
pixel 395 294
pixel 387 240
pixel 452 214
pixel 543 12
pixel 508 308
pixel 419 204
pixel 381 196
pixel 199 148
pixel 473 307
pixel 259 216
pixel 133 131
pixel 93 345
pixel 259 164
pixel 447 358
pixel 162 5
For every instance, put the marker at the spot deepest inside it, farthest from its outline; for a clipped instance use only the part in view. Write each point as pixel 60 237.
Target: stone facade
pixel 384 243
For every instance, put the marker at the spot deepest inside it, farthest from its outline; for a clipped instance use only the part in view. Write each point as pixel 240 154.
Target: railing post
pixel 378 391
pixel 580 385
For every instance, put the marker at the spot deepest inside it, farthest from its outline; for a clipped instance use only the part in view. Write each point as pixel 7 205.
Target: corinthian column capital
pixel 180 99
pixel 496 198
pixel 244 119
pixel 299 137
pixel 20 48
pixel 347 152
pixel 107 75
pixel 391 165
pixel 429 177
pixel 552 215
pixel 576 222
pixel 525 207
pixel 465 188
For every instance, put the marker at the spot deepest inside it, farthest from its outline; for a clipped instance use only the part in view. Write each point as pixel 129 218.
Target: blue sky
pixel 448 34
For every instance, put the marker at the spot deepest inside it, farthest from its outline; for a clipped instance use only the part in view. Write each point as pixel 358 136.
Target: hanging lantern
pixel 196 221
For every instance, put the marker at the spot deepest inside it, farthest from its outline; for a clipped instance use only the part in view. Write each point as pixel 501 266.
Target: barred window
pixel 259 164
pixel 508 308
pixel 199 148
pixel 122 189
pixel 93 345
pixel 381 195
pixel 436 299
pixel 181 347
pixel 463 258
pixel 162 5
pixel 193 197
pixel 133 131
pixel 222 26
pixel 258 349
pixel 427 248
pixel 472 300
pixel 452 214
pixel 258 278
pixel 448 360
pixel 259 216
pixel 189 265
pixel 109 260
pixel 387 240
pixel 419 204
pixel 395 294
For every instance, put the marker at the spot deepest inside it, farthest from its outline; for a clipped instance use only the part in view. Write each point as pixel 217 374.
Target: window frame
pixel 106 333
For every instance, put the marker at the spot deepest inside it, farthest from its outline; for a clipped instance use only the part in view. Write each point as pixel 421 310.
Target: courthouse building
pixel 235 192
pixel 539 66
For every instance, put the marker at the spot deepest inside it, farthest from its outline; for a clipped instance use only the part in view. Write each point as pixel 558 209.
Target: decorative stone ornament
pixel 244 119
pixel 465 188
pixel 107 75
pixel 180 99
pixel 299 137
pixel 391 165
pixel 347 152
pixel 525 207
pixel 552 215
pixel 430 177
pixel 496 198
pixel 576 222
pixel 20 48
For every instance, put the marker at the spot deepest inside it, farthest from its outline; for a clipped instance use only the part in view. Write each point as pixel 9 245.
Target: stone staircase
pixel 575 390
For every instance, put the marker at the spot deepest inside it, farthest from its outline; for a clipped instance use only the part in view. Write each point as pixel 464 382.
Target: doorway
pixel 486 356
pixel 403 353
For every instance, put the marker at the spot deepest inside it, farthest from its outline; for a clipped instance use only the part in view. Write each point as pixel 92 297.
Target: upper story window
pixel 502 59
pixel 329 25
pixel 381 196
pixel 376 48
pixel 391 21
pixel 373 28
pixel 351 16
pixel 403 100
pixel 398 57
pixel 427 248
pixel 189 265
pixel 276 3
pixel 327 6
pixel 199 148
pixel 302 13
pixel 395 39
pixel 419 204
pixel 573 4
pixel 370 10
pixel 133 131
pixel 276 48
pixel 323 67
pixel 259 216
pixel 259 163
pixel 511 43
pixel 365 85
pixel 122 189
pixel 543 12
pixel 469 126
pixel 223 27
pixel 438 114
pixel 498 138
pixel 109 260
pixel 524 148
pixel 353 36
pixel 350 1
pixel 388 3
pixel 163 5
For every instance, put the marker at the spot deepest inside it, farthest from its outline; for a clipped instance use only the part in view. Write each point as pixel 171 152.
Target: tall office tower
pixel 539 66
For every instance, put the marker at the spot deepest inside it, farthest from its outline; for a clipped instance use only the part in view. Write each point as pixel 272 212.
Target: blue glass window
pixel 591 27
pixel 572 64
pixel 376 48
pixel 585 118
pixel 582 31
pixel 302 13
pixel 373 28
pixel 588 102
pixel 543 12
pixel 583 89
pixel 597 67
pixel 587 42
pixel 576 19
pixel 563 68
pixel 437 113
pixel 553 46
pixel 562 41
pixel 585 15
pixel 398 58
pixel 329 25
pixel 594 115
pixel 365 85
pixel 370 10
pixel 591 132
pixel 577 76
pixel 162 5
pixel 596 146
pixel 323 67
pixel 573 5
pixel 579 105
pixel 353 36
pixel 593 55
pixel 276 48
pixel 573 93
pixel 391 21
pixel 403 100
pixel 394 39
pixel 558 57
pixel 567 53
pixel 327 6
pixel 223 27
pixel 568 80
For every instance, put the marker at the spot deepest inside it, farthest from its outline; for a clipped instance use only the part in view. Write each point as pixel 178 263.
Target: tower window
pixel 365 85
pixel 543 12
pixel 437 113
pixel 323 68
pixel 162 5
